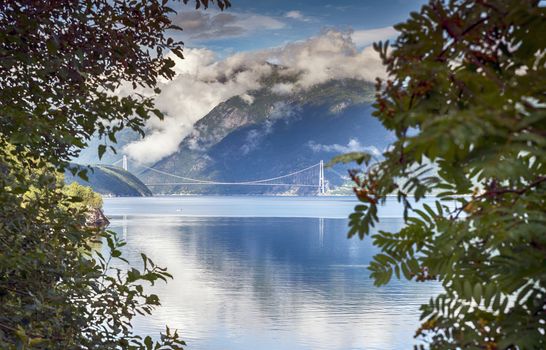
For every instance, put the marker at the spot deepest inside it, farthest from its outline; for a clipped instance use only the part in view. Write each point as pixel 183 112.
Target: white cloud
pixel 352 146
pixel 204 25
pixel 249 99
pixel 203 81
pixel 282 88
pixel 297 15
pixel 294 15
pixel 331 55
pixel 369 36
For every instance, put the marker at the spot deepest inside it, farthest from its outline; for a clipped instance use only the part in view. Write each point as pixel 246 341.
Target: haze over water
pixel 267 273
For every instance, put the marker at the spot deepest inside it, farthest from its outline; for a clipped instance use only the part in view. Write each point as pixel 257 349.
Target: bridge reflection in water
pixel 266 282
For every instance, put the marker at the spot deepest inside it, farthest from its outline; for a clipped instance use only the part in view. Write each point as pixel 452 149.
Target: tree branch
pixel 497 192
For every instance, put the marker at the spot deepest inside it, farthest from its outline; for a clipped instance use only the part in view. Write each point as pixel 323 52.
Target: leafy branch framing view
pixel 466 100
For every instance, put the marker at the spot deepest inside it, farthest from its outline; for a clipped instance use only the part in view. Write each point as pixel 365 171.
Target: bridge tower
pixel 322 187
pixel 125 165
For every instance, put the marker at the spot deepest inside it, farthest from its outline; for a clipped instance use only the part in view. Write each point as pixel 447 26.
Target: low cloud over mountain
pixel 203 81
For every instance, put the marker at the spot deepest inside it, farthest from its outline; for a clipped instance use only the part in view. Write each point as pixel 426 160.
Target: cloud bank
pixel 203 81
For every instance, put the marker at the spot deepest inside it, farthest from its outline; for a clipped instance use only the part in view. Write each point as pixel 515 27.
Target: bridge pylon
pixel 125 165
pixel 322 187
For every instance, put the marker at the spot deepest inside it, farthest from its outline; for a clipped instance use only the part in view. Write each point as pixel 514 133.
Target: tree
pixel 56 292
pixel 466 100
pixel 87 199
pixel 60 65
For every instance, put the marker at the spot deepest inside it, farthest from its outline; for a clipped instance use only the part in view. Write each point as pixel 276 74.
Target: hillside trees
pixel 60 64
pixel 87 199
pixel 466 99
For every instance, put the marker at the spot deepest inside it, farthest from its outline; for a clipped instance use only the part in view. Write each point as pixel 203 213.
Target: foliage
pixel 55 292
pixel 84 196
pixel 466 100
pixel 61 63
pixel 358 157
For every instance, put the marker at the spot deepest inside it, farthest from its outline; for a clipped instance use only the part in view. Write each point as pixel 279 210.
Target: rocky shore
pixel 96 218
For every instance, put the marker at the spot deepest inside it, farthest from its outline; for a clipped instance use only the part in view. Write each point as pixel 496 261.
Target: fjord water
pixel 267 273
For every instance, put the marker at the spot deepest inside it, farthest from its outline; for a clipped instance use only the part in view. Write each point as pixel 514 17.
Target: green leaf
pixel 477 292
pixel 405 270
pixel 489 290
pixel 83 175
pixel 358 157
pixel 158 113
pixel 148 342
pixel 467 290
pixel 101 150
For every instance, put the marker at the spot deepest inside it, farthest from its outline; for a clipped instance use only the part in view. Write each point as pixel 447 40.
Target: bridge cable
pixel 232 183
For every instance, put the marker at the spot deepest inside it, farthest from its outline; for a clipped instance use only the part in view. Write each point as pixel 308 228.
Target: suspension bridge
pixel 308 177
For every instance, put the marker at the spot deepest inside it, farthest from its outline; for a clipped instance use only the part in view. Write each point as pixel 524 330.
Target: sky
pixel 258 24
pixel 230 54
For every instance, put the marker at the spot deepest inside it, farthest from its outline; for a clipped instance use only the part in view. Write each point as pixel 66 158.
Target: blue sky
pixel 257 24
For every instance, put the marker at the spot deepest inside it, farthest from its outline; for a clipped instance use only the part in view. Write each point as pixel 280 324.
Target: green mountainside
pixel 111 181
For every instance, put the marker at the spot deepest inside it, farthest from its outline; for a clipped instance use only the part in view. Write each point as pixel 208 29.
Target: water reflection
pixel 271 283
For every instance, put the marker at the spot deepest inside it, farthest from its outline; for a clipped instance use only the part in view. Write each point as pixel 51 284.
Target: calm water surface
pixel 267 273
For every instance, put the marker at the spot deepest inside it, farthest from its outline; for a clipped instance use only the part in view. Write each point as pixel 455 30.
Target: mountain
pixel 111 181
pixel 272 135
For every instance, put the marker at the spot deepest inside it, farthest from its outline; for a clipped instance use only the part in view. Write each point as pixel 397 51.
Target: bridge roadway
pixel 263 182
